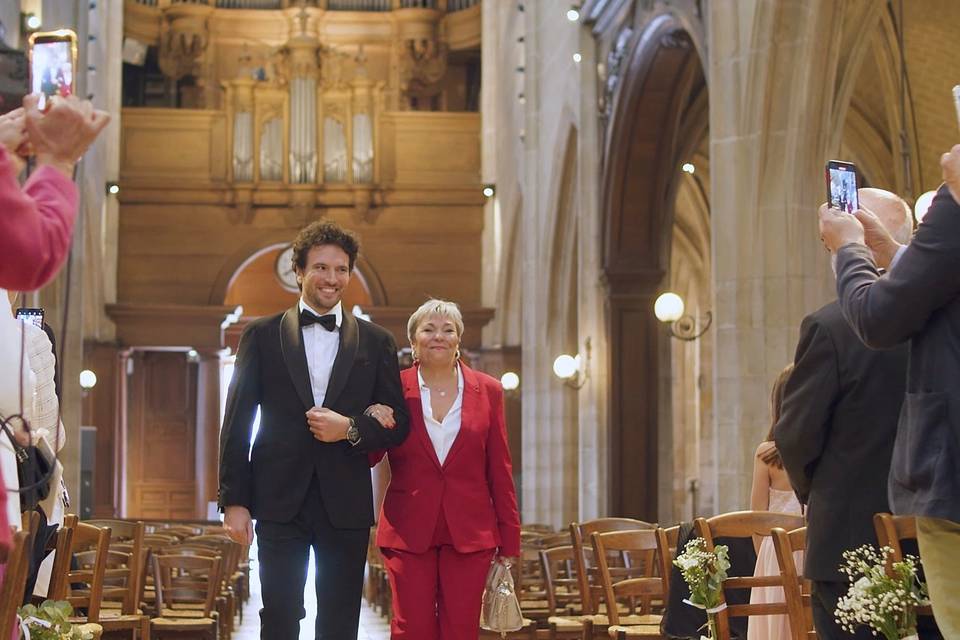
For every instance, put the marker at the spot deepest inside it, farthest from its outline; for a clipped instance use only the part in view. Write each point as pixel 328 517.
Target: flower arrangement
pixel 51 621
pixel 704 572
pixel 884 602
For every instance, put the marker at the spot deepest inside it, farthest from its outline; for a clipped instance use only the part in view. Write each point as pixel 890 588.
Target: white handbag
pixel 501 607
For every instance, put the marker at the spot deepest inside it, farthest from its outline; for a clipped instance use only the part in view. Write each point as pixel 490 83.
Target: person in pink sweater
pixel 37 220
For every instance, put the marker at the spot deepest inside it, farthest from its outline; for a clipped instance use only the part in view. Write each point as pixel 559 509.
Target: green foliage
pixel 56 615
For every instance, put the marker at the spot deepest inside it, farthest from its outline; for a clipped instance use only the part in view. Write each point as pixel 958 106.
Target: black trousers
pixel 824 596
pixel 284 551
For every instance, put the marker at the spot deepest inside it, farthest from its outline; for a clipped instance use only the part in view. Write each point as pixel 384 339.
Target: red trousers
pixel 437 594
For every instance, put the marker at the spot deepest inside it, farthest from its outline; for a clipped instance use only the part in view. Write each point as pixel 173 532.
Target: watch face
pixel 284 270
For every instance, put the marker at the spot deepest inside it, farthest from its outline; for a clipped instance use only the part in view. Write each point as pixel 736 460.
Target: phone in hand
pixel 33 315
pixel 956 101
pixel 842 183
pixel 53 63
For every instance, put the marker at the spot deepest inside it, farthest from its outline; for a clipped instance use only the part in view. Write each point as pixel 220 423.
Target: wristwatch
pixel 353 434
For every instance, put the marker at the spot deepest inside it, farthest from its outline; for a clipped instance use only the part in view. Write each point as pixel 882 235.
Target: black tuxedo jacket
pixel 271 373
pixel 835 435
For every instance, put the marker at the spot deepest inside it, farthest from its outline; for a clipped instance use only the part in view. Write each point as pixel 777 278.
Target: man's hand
pixel 877 238
pixel 382 414
pixel 237 522
pixel 950 164
pixel 62 135
pixel 838 228
pixel 327 425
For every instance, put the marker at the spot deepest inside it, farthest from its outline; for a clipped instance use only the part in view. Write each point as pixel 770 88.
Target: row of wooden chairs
pixel 618 586
pixel 117 576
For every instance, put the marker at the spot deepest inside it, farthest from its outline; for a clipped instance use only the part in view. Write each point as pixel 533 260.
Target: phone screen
pixel 51 72
pixel 842 186
pixel 34 316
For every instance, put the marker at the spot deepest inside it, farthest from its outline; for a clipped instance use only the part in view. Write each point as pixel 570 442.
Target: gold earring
pixel 457 356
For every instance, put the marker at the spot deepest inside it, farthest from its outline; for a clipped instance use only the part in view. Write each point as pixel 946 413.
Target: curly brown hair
pixel 320 233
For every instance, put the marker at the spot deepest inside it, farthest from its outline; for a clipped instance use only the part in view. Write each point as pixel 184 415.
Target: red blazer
pixel 474 486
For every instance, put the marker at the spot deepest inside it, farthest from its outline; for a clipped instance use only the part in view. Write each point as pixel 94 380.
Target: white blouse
pixel 442 434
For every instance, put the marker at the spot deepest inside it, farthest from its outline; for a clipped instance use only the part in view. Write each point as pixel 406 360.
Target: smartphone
pixel 53 63
pixel 956 101
pixel 33 315
pixel 842 185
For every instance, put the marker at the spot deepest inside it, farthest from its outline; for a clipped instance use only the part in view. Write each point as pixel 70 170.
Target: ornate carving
pixel 611 71
pixel 332 67
pixel 183 39
pixel 423 63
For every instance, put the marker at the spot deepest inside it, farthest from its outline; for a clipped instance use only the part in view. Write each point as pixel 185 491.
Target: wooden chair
pixel 560 579
pixel 745 524
pixel 666 552
pixel 641 547
pixel 123 582
pixel 16 561
pixel 530 580
pixel 61 542
pixel 591 592
pixel 84 585
pixel 796 588
pixel 230 551
pixel 187 588
pixel 891 531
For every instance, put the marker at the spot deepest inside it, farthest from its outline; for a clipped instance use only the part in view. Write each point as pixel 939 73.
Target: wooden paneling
pixel 162 437
pixel 182 145
pixel 452 155
pixel 101 409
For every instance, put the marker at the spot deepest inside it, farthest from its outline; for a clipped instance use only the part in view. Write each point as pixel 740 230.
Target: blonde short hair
pixel 442 308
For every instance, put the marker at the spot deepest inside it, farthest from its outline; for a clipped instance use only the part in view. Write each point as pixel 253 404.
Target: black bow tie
pixel 328 322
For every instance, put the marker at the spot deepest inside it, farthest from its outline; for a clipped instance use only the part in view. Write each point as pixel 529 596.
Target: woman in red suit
pixel 451 505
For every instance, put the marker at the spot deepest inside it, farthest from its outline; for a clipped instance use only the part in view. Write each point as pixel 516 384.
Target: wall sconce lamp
pixel 88 380
pixel 489 190
pixel 669 309
pixel 510 381
pixel 112 188
pixel 574 371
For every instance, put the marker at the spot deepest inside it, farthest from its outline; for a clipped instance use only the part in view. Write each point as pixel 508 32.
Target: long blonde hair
pixel 771 456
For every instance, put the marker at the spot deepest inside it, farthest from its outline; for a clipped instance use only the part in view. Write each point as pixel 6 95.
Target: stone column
pixel 209 366
pixel 772 70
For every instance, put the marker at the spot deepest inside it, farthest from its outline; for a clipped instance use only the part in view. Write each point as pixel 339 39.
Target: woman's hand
pixel 13 130
pixel 382 414
pixel 62 135
pixel 13 136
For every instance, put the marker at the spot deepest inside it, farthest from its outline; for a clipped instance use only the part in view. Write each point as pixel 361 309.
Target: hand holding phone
pixel 62 135
pixel 33 315
pixel 842 184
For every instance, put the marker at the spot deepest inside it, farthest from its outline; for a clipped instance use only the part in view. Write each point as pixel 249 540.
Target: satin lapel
pixel 346 353
pixel 411 392
pixel 295 356
pixel 470 412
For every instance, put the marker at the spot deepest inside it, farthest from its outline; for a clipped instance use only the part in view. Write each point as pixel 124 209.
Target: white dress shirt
pixel 442 434
pixel 321 347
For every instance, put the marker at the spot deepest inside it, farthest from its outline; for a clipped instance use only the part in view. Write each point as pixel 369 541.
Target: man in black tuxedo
pixel 917 302
pixel 312 371
pixel 836 431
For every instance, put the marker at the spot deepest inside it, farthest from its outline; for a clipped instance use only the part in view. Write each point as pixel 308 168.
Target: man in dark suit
pixel 312 371
pixel 836 430
pixel 917 301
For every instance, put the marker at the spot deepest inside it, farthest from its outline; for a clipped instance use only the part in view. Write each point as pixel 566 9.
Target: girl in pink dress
pixel 771 492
